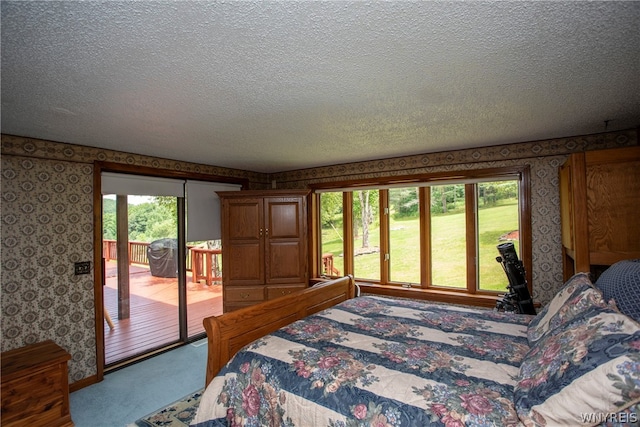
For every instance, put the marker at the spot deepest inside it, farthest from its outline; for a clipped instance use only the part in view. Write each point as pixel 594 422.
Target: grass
pixel 448 243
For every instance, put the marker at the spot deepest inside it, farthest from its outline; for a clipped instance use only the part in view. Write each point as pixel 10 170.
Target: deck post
pixel 122 218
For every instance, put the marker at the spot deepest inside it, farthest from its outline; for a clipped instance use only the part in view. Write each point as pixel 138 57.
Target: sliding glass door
pixel 142 295
pixel 162 262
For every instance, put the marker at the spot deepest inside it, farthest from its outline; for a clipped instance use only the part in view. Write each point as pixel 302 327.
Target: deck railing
pixel 137 252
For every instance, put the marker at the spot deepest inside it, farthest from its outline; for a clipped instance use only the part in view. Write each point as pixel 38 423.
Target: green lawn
pixel 449 260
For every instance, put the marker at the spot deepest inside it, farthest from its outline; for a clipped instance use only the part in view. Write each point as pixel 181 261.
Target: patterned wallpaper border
pixel 399 166
pixel 50 150
pixel 289 179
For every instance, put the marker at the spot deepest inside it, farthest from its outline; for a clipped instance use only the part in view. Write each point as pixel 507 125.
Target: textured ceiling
pixel 276 86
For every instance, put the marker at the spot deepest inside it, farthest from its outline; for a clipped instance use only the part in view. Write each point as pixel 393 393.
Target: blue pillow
pixel 621 283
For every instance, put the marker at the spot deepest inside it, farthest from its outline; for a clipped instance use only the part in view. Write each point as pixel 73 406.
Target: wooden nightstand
pixel 35 386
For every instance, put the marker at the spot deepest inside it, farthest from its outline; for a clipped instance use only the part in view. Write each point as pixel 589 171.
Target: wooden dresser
pixel 35 386
pixel 600 206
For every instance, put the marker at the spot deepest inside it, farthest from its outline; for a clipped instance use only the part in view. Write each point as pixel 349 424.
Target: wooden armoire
pixel 600 209
pixel 264 245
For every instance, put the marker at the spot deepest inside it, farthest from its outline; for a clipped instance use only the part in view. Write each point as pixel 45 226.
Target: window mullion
pixel 384 236
pixel 471 210
pixel 347 219
pixel 315 253
pixel 425 237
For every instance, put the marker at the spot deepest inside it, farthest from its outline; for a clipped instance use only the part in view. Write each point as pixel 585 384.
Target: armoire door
pixel 285 240
pixel 243 230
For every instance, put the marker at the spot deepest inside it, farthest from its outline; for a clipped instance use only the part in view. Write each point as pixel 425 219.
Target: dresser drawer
pixel 244 294
pixel 280 291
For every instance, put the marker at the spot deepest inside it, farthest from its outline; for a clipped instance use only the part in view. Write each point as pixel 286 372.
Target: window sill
pixel 437 295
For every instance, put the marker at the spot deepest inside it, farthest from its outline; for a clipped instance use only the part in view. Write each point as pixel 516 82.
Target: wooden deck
pixel 153 321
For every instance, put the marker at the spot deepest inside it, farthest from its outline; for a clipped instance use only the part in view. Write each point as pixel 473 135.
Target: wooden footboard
pixel 230 332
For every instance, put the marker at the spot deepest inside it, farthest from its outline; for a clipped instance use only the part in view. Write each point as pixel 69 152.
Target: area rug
pixel 178 414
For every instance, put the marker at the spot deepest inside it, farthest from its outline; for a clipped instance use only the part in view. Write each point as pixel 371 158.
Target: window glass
pixel 448 236
pixel 366 234
pixel 331 235
pixel 498 222
pixel 404 235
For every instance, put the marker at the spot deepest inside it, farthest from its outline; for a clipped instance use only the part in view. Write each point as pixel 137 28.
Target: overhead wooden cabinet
pixel 264 245
pixel 599 206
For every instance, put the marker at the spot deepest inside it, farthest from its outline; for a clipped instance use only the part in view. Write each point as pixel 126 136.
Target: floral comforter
pixel 375 361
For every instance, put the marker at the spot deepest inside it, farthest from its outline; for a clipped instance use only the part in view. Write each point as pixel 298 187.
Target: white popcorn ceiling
pixel 276 86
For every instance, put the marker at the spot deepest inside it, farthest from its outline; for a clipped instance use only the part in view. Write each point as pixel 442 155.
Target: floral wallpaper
pixel 47 223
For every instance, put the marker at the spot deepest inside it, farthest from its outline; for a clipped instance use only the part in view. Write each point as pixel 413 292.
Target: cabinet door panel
pixel 284 217
pixel 613 197
pixel 243 247
pixel 244 264
pixel 244 219
pixel 285 243
pixel 285 264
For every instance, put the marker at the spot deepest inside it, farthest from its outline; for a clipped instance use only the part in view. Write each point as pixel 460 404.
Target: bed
pixel 324 357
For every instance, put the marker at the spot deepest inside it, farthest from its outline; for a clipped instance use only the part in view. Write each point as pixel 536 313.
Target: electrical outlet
pixel 82 267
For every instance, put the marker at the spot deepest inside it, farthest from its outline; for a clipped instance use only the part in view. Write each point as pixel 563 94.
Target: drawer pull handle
pixel 244 296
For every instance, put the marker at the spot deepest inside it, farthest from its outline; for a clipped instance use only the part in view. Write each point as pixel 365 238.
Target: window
pixel 498 220
pixel 332 235
pixel 428 231
pixel 366 234
pixel 404 242
pixel 448 230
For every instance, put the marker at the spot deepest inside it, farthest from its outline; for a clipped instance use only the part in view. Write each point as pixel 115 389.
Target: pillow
pixel 588 367
pixel 621 283
pixel 576 296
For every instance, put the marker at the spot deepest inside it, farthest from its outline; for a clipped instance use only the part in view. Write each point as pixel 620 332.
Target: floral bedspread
pixel 373 361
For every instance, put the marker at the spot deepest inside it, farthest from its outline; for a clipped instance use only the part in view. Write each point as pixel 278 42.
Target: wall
pixel 544 159
pixel 47 223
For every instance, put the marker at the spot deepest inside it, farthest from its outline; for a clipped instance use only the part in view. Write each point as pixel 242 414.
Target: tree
pixel 404 202
pixel 108 219
pixel 363 211
pixel 169 204
pixel 330 207
pixel 365 217
pixel 444 198
pixel 147 221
